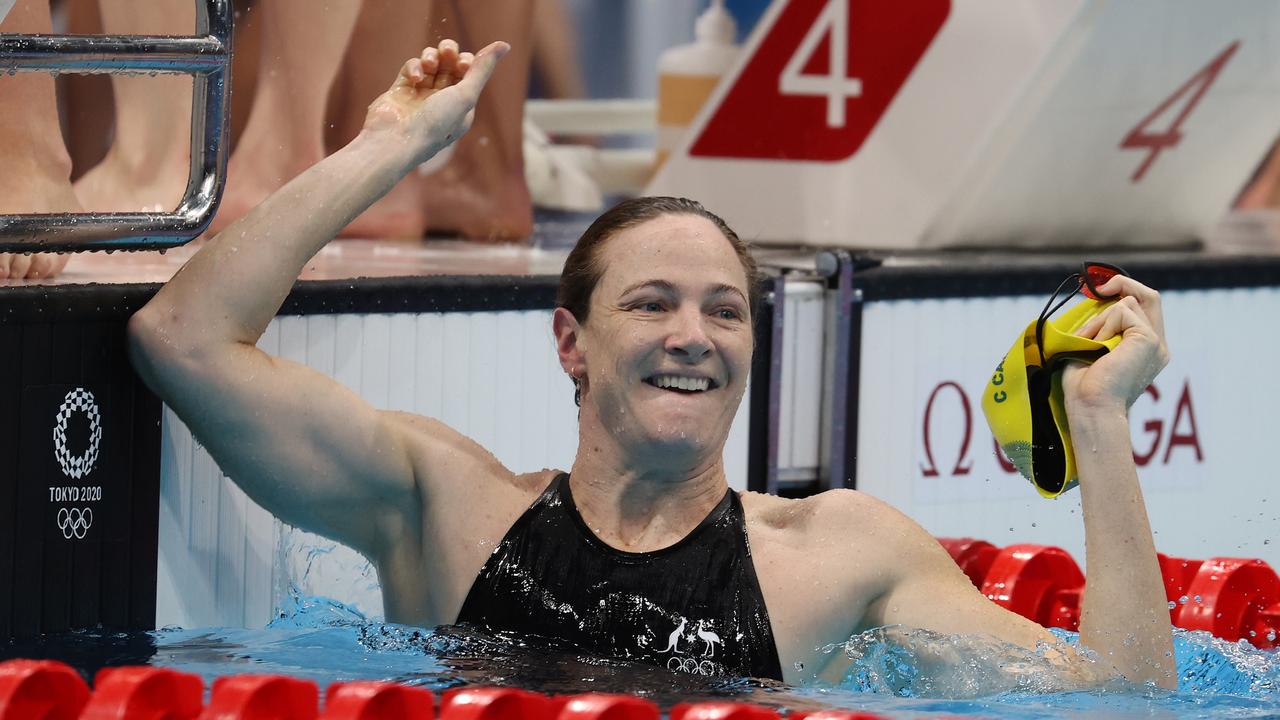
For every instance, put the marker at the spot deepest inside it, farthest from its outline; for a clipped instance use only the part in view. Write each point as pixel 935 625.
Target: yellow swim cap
pixel 1023 401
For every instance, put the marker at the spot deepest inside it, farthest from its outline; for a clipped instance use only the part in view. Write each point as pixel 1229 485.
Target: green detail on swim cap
pixel 1019 453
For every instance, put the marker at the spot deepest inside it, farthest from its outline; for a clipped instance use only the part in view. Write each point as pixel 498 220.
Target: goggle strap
pixel 1050 309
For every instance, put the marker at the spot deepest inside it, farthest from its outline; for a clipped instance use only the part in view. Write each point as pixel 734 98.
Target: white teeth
pixel 681 383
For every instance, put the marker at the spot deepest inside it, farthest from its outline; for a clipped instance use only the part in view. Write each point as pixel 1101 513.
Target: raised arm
pixel 1124 615
pixel 304 447
pixel 1124 618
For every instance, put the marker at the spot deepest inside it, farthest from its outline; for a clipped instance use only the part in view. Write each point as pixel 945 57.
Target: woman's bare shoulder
pixel 827 514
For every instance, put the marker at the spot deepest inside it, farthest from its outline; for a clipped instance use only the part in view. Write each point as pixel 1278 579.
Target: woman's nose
pixel 688 337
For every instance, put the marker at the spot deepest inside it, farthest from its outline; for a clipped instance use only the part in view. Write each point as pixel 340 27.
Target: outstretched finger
pixel 482 67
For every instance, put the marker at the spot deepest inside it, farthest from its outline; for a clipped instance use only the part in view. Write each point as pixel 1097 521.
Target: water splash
pixel 922 664
pixel 299 611
pixel 908 662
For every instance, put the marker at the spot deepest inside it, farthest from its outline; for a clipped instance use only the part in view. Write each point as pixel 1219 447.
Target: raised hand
pixel 433 99
pixel 1117 379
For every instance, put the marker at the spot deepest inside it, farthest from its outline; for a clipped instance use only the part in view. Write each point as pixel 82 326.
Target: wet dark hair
pixel 583 270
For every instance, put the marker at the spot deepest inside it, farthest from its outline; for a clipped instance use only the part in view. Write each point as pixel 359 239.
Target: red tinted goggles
pixel 1092 276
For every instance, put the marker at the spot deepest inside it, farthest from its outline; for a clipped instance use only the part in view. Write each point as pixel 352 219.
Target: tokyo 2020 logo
pixel 77 466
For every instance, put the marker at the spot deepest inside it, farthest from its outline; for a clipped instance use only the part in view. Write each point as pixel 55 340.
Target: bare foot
pixel 113 186
pixel 35 193
pixel 461 202
pixel 399 214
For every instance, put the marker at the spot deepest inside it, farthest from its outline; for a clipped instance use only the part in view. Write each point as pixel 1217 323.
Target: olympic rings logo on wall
pixel 78 466
pixel 74 522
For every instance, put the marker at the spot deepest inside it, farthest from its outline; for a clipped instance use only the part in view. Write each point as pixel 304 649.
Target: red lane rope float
pixel 1038 582
pixel 973 556
pixel 262 697
pixel 50 690
pixel 496 704
pixel 721 711
pixel 607 707
pixel 40 690
pixel 145 693
pixel 369 700
pixel 1177 574
pixel 1234 598
pixel 1231 598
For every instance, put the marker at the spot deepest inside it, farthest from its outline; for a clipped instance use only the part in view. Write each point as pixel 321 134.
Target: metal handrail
pixel 206 56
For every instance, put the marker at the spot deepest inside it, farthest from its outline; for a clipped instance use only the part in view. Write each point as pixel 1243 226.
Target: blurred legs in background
pixel 37 168
pixel 479 193
pixel 149 160
pixel 302 50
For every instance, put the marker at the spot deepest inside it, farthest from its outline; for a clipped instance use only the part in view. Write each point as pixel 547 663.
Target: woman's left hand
pixel 1118 378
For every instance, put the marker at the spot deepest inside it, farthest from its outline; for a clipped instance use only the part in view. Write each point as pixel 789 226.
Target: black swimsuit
pixel 695 606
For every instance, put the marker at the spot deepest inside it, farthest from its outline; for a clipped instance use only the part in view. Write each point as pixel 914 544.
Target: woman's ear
pixel 569 348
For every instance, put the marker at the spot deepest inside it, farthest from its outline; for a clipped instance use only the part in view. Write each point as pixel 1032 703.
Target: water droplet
pixel 1172 604
pixel 1183 600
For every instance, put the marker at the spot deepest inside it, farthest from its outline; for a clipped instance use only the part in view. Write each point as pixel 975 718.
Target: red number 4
pixel 1158 141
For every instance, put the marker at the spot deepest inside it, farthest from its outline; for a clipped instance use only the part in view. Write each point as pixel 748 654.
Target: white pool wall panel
pixel 801 390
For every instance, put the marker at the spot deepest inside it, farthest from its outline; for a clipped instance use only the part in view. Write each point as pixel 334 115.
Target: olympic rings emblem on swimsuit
pixel 692 666
pixel 74 522
pixel 77 466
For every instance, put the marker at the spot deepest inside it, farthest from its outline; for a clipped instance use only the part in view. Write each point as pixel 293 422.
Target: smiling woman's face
pixel 667 344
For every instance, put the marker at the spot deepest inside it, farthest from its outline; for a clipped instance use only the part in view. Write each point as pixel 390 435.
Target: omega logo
pixel 962 465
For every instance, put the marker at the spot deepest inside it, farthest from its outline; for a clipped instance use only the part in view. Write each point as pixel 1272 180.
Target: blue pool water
pixel 325 641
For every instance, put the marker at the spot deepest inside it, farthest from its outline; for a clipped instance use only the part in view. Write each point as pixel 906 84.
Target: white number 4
pixel 834 86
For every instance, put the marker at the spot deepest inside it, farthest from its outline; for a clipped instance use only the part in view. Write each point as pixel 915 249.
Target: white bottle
pixel 687 74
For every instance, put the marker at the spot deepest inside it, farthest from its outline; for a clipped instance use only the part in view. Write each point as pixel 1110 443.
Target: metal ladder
pixel 206 56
